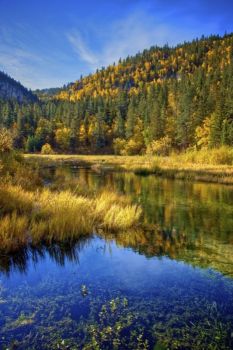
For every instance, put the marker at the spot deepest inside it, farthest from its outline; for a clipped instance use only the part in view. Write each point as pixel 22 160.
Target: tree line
pixel 160 100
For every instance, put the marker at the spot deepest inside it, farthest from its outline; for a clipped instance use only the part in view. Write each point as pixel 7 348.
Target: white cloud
pixel 81 48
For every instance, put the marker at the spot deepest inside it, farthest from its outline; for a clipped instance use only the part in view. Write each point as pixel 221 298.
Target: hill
pixel 46 94
pixel 11 89
pixel 163 99
pixel 153 66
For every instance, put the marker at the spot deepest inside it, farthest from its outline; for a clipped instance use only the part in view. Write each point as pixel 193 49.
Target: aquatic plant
pixel 112 329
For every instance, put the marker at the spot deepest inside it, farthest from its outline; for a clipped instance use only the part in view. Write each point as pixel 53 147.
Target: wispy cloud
pixel 52 48
pixel 81 48
pixel 126 36
pixel 34 67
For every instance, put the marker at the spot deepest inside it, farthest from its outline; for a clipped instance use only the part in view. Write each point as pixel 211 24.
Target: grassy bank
pixel 31 213
pixel 44 215
pixel 207 165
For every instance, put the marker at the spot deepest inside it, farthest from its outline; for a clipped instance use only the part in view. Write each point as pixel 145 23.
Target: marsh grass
pixel 53 216
pixel 15 198
pixel 66 213
pixel 114 212
pixel 13 232
pixel 118 218
pixel 208 165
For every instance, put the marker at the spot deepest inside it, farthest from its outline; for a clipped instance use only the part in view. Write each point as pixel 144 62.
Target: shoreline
pixel 145 165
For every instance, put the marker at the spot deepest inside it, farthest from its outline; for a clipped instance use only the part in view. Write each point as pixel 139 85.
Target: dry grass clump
pixel 13 232
pixel 105 200
pixel 66 213
pixel 59 216
pixel 15 199
pixel 121 218
pixel 114 212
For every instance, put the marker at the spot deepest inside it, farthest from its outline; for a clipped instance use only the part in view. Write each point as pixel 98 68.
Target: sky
pixel 49 43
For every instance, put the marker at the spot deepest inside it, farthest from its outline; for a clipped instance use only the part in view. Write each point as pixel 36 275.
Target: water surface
pixel 169 286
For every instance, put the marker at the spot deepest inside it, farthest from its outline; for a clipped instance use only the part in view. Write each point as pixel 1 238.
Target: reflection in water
pixel 132 302
pixel 187 221
pixel 167 286
pixel 59 252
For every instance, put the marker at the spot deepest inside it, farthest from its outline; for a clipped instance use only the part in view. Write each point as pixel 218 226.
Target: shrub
pixel 119 146
pixel 132 147
pixel 202 133
pixel 6 141
pixel 161 147
pixel 46 149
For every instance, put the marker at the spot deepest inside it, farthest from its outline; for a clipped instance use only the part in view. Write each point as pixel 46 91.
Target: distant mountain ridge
pixel 152 66
pixel 160 100
pixel 11 89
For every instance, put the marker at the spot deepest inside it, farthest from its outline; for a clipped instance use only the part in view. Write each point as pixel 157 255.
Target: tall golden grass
pixel 13 232
pixel 216 156
pixel 115 212
pixel 57 216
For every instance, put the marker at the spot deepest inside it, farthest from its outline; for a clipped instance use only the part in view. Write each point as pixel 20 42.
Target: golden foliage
pixel 6 141
pixel 46 149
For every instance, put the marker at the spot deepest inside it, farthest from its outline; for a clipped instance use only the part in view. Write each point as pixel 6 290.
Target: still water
pixel 169 286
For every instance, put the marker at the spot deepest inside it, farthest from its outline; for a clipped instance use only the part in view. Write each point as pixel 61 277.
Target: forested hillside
pixel 12 89
pixel 159 100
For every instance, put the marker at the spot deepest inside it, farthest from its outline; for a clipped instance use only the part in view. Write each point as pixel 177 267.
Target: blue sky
pixel 48 43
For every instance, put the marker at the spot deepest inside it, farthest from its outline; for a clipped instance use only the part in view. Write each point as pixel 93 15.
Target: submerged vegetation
pixel 155 310
pixel 99 295
pixel 119 259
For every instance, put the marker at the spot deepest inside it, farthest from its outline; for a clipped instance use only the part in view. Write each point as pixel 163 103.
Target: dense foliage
pixel 12 89
pixel 159 100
